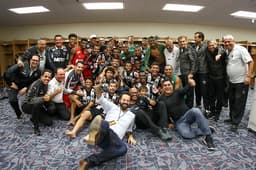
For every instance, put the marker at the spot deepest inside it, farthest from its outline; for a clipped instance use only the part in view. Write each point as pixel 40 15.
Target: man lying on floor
pixel 108 133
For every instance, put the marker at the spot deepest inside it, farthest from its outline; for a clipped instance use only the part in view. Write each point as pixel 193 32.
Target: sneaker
pixel 209 143
pixel 208 114
pixel 37 132
pixel 225 105
pixel 216 118
pixel 213 130
pixel 234 128
pixel 20 116
pixel 164 135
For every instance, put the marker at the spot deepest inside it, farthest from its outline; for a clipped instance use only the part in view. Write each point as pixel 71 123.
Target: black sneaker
pixel 216 118
pixel 208 114
pixel 225 105
pixel 37 132
pixel 209 143
pixel 164 135
pixel 213 130
pixel 234 128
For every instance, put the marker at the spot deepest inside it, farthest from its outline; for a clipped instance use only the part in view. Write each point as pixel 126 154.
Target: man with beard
pixel 73 78
pixel 108 134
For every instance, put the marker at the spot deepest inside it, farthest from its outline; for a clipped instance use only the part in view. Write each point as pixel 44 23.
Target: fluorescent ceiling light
pixel 182 7
pixel 244 14
pixel 29 10
pixel 103 5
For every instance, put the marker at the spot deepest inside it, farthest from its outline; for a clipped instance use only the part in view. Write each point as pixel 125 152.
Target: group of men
pixel 117 86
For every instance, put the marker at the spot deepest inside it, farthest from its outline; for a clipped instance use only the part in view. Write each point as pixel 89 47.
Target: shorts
pixel 95 111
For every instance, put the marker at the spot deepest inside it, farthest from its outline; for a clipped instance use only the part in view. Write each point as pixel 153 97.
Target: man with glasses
pixel 21 76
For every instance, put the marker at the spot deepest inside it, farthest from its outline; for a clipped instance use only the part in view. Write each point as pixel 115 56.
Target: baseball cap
pixel 93 36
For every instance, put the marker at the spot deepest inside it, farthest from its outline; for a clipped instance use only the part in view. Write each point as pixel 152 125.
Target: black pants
pixel 159 115
pixel 189 100
pixel 216 95
pixel 226 92
pixel 201 80
pixel 58 109
pixel 13 100
pixel 237 100
pixel 143 121
pixel 39 114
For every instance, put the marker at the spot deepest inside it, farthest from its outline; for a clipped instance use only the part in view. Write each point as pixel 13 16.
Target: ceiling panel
pixel 216 12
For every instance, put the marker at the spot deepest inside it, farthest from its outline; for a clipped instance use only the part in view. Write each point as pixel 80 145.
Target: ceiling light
pixel 244 14
pixel 104 5
pixel 182 7
pixel 29 10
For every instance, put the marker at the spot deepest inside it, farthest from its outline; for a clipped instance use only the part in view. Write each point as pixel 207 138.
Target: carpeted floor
pixel 21 149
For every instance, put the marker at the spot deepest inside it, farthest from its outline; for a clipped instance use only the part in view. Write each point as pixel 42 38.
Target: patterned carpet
pixel 20 149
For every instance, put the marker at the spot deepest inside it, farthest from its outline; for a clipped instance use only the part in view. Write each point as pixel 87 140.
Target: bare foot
pixel 70 134
pixel 71 122
pixel 83 164
pixel 86 138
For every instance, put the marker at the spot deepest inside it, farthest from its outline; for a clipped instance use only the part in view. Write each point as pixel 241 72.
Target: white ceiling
pixel 216 12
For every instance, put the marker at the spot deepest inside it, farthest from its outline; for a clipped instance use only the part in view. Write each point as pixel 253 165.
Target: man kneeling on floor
pixel 108 133
pixel 183 116
pixel 36 101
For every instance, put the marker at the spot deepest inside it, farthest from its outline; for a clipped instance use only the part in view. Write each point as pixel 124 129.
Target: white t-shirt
pixel 124 121
pixel 172 58
pixel 52 86
pixel 237 64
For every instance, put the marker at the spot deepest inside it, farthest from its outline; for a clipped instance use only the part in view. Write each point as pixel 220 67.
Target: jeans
pixel 193 115
pixel 111 144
